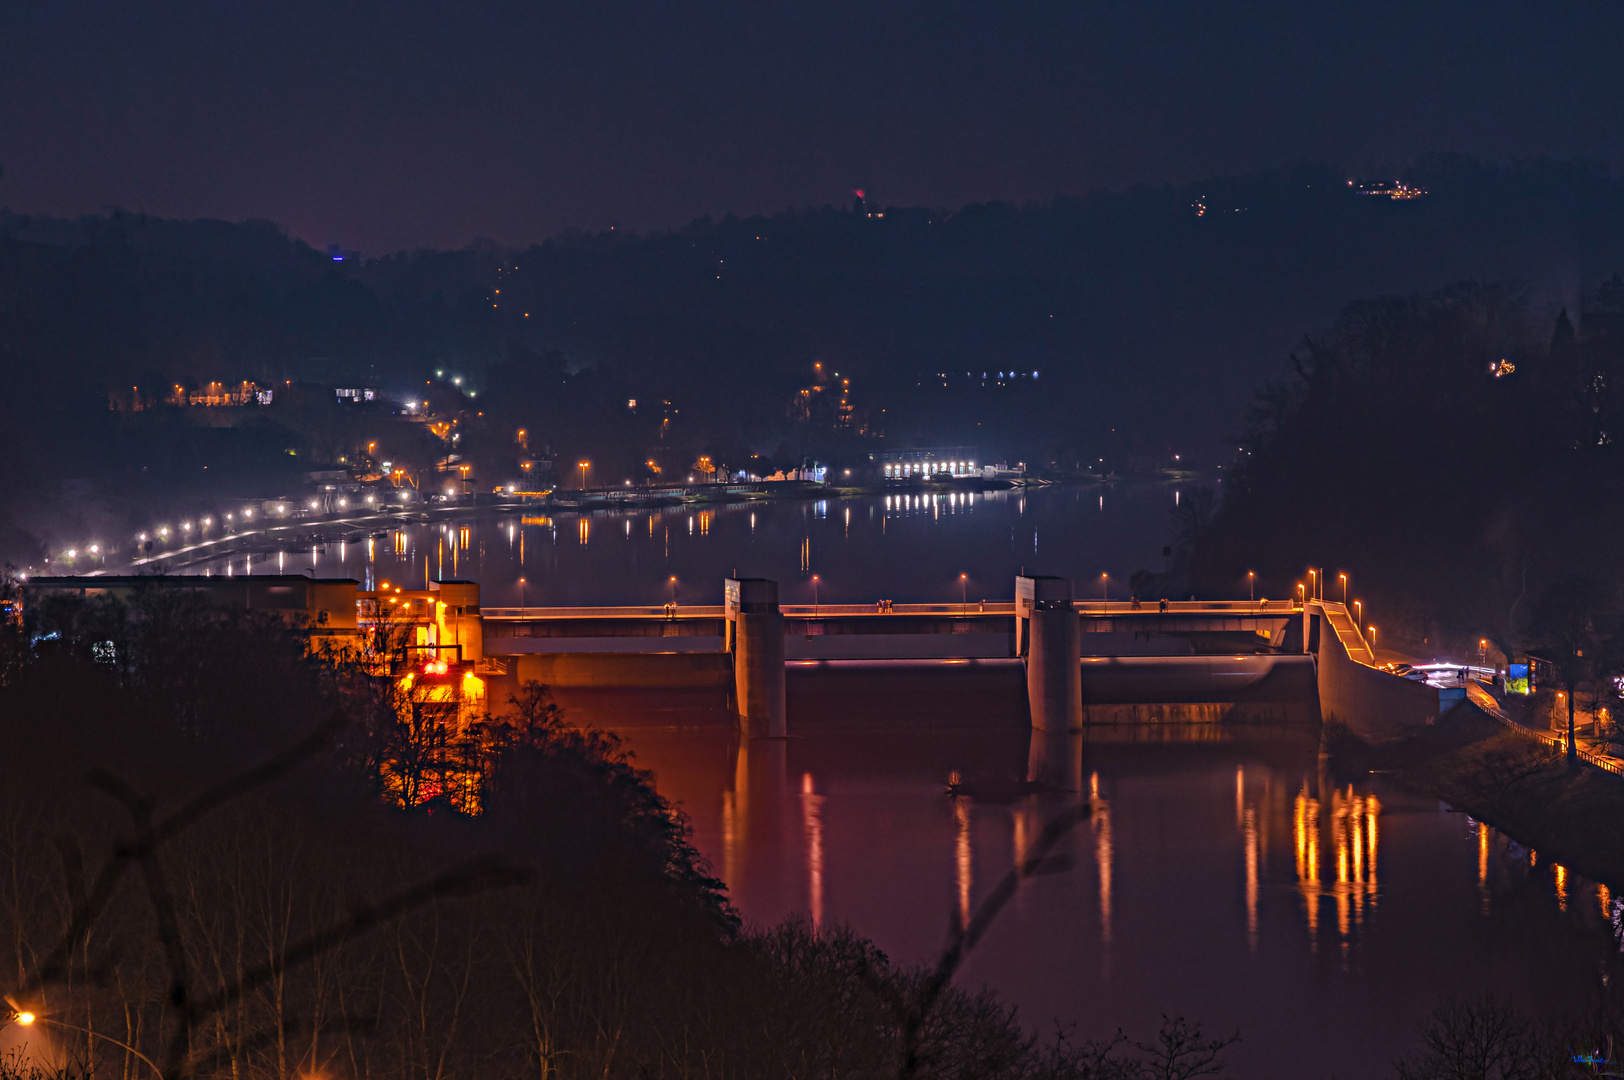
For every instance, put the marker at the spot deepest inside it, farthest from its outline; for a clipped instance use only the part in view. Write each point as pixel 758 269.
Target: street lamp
pixel 1105 587
pixel 964 593
pixel 1344 578
pixel 1313 585
pixel 1251 585
pixel 1372 630
pixel 1359 612
pixel 521 596
pixel 814 596
pixel 24 1018
pixel 673 592
pixel 583 465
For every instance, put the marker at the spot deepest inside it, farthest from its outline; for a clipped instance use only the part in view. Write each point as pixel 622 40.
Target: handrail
pixel 1347 632
pixel 655 611
pixel 1560 741
pixel 1003 608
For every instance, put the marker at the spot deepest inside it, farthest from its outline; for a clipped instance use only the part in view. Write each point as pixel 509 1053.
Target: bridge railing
pixel 886 607
pixel 1489 707
pixel 1202 607
pixel 1347 632
pixel 1281 608
pixel 654 611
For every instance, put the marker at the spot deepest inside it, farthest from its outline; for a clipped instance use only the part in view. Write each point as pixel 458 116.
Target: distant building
pixel 927 461
pixel 211 395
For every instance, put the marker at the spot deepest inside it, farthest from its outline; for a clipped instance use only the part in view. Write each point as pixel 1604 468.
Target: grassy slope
pixel 1513 783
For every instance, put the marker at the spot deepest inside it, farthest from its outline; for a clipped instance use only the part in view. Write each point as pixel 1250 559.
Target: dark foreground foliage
pixel 187 870
pixel 1489 1038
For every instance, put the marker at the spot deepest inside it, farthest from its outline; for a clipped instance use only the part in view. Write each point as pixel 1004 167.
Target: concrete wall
pixel 631 671
pixel 1200 689
pixel 914 693
pixel 1374 704
pixel 1262 713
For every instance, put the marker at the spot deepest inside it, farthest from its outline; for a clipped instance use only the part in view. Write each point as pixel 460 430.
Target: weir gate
pixel 1063 663
pixel 1043 659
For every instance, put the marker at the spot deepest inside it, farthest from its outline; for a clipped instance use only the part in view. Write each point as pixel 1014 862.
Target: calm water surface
pixel 905 547
pixel 1230 880
pixel 1225 878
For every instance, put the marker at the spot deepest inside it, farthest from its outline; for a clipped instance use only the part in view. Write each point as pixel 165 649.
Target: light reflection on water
pixel 1226 877
pixel 1221 876
pixel 905 546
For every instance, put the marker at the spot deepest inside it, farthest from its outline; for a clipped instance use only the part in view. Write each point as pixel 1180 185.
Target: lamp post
pixel 1105 587
pixel 1251 586
pixel 26 1019
pixel 814 596
pixel 1344 578
pixel 1313 586
pixel 583 465
pixel 521 597
pixel 964 593
pixel 673 592
pixel 1359 613
pixel 1372 641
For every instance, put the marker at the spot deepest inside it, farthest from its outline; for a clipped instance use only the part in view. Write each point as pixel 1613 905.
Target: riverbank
pixel 754 491
pixel 1508 780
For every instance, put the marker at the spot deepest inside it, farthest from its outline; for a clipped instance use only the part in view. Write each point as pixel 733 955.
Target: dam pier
pixel 1043 659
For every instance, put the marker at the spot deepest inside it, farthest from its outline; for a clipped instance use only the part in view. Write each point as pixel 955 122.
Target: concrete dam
pixel 1043 660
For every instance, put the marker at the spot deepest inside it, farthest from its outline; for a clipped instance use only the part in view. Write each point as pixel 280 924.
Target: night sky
pixel 382 126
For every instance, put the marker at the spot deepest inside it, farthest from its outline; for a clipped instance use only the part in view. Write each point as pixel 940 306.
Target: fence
pixel 1560 742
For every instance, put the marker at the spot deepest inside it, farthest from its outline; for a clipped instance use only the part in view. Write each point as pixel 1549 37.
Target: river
pixel 1221 874
pixel 903 547
pixel 1229 880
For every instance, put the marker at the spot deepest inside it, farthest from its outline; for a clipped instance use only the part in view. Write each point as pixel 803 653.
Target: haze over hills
pixel 1125 326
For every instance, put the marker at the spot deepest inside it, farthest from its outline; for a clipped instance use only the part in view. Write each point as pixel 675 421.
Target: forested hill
pixel 1149 315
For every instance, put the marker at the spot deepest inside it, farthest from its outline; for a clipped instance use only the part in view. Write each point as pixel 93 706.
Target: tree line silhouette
pixel 1147 315
pixel 1457 454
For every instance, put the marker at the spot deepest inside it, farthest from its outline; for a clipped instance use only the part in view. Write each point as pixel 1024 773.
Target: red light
pixel 428 668
pixel 439 669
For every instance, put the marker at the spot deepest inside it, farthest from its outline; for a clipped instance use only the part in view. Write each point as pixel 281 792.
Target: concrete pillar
pixel 1054 677
pixel 757 637
pixel 1055 759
